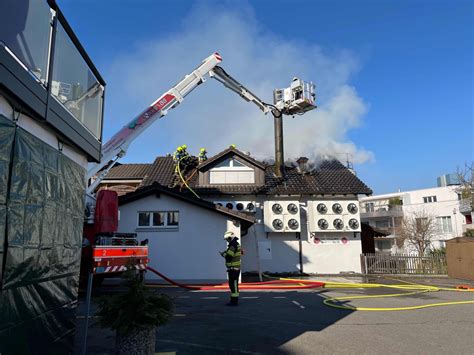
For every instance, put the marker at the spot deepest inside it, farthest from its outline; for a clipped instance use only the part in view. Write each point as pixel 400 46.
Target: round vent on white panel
pixel 352 208
pixel 353 223
pixel 219 204
pixel 338 223
pixel 292 208
pixel 230 205
pixel 323 224
pixel 277 224
pixel 322 208
pixel 293 224
pixel 250 206
pixel 277 209
pixel 239 206
pixel 337 208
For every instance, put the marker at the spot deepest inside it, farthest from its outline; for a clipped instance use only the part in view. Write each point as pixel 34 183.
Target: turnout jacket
pixel 232 254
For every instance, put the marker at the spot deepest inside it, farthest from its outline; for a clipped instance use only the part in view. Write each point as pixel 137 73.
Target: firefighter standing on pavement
pixel 232 263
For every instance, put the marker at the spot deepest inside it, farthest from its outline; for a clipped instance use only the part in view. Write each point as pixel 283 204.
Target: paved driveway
pixel 297 322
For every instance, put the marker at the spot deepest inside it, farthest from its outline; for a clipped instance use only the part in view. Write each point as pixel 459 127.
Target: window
pixel 382 224
pixel 173 218
pixel 158 219
pixel 231 163
pixel 445 225
pixel 144 219
pixel 422 224
pixel 369 207
pixel 429 199
pixel 383 244
pixel 231 171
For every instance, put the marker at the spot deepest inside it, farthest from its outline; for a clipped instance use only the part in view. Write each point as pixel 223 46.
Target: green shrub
pixel 469 233
pixel 137 309
pixel 438 251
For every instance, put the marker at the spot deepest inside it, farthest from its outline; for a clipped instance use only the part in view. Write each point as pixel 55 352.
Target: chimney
pixel 279 158
pixel 302 167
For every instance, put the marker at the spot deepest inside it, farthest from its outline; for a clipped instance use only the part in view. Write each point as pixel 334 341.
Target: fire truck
pixel 107 252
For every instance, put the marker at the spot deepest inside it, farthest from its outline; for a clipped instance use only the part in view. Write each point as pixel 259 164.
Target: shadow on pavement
pixel 203 324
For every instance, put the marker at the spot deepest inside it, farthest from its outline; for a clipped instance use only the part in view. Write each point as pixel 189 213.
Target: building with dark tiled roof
pixel 293 232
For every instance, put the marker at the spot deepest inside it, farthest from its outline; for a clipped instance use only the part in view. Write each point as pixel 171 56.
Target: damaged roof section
pixel 161 172
pixel 329 177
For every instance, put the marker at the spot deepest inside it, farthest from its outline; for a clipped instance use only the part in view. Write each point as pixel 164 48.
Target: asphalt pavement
pixel 297 322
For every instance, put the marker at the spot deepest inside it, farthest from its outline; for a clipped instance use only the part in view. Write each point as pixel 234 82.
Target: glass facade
pixel 25 29
pixel 74 85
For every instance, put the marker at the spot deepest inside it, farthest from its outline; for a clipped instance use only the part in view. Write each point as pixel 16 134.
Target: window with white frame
pixel 429 199
pixel 369 207
pixel 231 171
pixel 158 219
pixel 445 225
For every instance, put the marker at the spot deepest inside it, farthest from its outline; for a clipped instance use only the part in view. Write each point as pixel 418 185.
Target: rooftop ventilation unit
pixel 282 216
pixel 239 206
pixel 334 216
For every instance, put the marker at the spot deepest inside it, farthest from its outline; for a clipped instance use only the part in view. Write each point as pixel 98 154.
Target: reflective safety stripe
pixel 236 288
pixel 233 264
pixel 234 255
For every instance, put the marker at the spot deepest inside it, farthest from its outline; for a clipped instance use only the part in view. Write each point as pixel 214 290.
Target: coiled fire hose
pixel 414 289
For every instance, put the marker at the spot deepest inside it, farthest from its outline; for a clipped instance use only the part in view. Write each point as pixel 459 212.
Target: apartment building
pixel 386 212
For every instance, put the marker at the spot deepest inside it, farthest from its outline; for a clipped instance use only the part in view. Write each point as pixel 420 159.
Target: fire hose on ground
pixel 336 302
pixel 266 285
pixel 413 288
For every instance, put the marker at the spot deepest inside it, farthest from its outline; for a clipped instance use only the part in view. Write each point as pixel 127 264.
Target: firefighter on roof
pixel 232 263
pixel 202 155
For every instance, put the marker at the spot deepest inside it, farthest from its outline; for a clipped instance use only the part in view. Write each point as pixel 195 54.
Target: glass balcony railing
pixel 78 90
pixel 27 28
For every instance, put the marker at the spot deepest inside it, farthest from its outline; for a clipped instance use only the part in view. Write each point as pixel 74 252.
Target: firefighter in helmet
pixel 232 263
pixel 202 155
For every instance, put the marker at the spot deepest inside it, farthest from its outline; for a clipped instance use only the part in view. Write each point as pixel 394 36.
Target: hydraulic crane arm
pixel 117 146
pixel 221 75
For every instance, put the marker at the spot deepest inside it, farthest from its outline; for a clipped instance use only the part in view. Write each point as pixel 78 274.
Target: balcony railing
pixel 381 211
pixel 37 36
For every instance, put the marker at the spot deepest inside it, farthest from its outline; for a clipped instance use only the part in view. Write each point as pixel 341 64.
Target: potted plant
pixel 134 316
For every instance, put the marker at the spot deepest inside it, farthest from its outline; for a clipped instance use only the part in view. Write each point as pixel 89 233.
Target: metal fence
pixel 380 263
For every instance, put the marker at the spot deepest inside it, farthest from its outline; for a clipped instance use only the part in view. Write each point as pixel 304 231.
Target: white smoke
pixel 214 117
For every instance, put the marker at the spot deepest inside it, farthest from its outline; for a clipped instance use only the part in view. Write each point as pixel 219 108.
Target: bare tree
pixel 417 229
pixel 465 177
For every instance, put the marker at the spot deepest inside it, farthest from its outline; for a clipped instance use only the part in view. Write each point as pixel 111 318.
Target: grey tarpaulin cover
pixel 41 217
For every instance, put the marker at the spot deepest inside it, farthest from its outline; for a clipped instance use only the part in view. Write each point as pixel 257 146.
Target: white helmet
pixel 229 235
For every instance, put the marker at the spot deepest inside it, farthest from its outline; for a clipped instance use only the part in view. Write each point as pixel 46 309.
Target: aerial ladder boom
pixel 117 146
pixel 221 75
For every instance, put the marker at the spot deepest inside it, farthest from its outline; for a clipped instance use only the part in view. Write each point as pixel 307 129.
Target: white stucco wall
pixel 329 257
pixel 189 252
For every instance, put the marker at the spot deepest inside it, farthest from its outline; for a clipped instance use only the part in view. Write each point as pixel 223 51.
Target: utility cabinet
pixel 460 258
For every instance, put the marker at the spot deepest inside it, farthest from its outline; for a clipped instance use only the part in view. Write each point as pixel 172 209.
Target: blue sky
pixel 394 78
